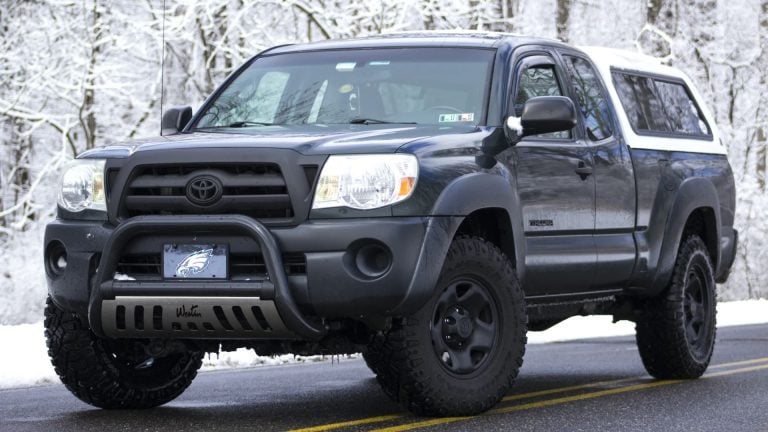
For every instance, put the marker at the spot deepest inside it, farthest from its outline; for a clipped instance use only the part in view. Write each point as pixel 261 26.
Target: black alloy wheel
pixel 697 308
pixel 465 326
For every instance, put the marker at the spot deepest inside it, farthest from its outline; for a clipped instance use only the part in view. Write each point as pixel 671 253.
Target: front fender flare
pixel 464 195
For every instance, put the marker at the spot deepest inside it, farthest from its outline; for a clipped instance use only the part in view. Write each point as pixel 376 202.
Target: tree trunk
pixel 563 16
pixel 506 15
pixel 761 141
pixel 475 18
pixel 87 114
pixel 429 10
pixel 652 13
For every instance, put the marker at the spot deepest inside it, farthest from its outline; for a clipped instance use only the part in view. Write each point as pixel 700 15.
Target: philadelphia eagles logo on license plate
pixel 195 261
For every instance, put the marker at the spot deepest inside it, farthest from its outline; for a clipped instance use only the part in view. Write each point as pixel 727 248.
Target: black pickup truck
pixel 422 198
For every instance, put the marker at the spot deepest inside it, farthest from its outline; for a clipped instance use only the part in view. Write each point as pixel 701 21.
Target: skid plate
pixel 192 318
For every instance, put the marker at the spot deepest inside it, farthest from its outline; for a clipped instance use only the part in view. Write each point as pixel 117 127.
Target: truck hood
pixel 305 139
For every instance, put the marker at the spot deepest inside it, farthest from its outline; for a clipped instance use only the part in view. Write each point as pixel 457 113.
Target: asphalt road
pixel 589 385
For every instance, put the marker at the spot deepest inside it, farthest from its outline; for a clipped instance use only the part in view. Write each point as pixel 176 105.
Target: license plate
pixel 195 261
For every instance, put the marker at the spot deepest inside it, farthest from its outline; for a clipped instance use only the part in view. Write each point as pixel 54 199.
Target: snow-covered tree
pixel 77 74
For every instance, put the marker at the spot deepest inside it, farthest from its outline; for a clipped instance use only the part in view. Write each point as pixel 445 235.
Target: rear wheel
pixel 462 351
pixel 372 353
pixel 676 335
pixel 113 373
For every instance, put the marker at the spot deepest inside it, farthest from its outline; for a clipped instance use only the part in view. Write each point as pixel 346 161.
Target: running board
pixel 192 318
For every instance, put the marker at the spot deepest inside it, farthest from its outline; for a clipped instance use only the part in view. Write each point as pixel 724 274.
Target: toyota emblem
pixel 204 190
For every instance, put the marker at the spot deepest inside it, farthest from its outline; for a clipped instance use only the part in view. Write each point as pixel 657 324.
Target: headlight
pixel 366 181
pixel 82 186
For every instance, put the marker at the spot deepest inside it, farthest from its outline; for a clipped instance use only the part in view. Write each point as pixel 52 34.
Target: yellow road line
pixel 736 371
pixel 613 382
pixel 422 424
pixel 739 363
pixel 381 419
pixel 566 389
pixel 513 397
pixel 339 425
pixel 563 400
pixel 531 405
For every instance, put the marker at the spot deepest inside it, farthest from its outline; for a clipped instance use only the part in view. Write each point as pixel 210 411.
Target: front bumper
pixel 332 287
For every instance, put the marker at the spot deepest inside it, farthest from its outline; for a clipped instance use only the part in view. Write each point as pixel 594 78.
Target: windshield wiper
pixel 367 121
pixel 239 124
pixel 249 123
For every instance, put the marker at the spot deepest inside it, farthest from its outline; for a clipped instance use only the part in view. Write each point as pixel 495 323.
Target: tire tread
pixel 405 376
pixel 78 361
pixel 660 333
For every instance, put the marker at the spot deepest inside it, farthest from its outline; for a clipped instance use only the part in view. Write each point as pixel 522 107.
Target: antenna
pixel 162 72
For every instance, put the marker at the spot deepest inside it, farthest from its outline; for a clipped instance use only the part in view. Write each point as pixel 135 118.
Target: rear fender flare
pixel 693 194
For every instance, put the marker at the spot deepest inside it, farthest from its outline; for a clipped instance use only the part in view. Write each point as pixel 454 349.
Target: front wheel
pixel 676 334
pixel 462 351
pixel 113 373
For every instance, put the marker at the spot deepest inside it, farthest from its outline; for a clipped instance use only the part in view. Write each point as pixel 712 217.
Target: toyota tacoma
pixel 423 198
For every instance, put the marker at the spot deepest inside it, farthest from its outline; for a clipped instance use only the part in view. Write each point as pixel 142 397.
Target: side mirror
pixel 546 114
pixel 543 114
pixel 175 119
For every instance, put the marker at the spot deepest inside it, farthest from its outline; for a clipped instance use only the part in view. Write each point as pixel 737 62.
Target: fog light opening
pixel 57 259
pixel 373 260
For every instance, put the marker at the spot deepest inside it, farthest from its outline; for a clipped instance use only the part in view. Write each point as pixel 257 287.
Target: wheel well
pixel 492 224
pixel 702 222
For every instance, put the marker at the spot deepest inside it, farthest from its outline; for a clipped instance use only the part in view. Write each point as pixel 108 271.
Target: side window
pixel 657 105
pixel 591 98
pixel 683 114
pixel 534 81
pixel 641 103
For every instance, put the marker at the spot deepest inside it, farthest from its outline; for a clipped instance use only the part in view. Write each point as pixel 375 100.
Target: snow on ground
pixel 27 364
pixel 728 314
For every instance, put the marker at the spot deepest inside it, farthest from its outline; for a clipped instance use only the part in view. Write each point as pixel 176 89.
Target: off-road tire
pixel 95 371
pixel 372 354
pixel 666 329
pixel 412 373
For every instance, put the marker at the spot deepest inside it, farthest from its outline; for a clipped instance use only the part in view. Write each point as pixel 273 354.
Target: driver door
pixel 556 190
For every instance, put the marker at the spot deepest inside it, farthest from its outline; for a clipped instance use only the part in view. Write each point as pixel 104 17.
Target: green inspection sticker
pixel 459 117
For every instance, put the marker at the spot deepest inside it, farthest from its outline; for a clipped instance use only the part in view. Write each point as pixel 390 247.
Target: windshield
pixel 400 85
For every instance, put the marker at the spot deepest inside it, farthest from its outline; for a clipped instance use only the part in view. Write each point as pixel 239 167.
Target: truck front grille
pixel 241 266
pixel 257 190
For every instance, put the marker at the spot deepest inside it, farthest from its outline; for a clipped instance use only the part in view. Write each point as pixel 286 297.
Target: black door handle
pixel 583 170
